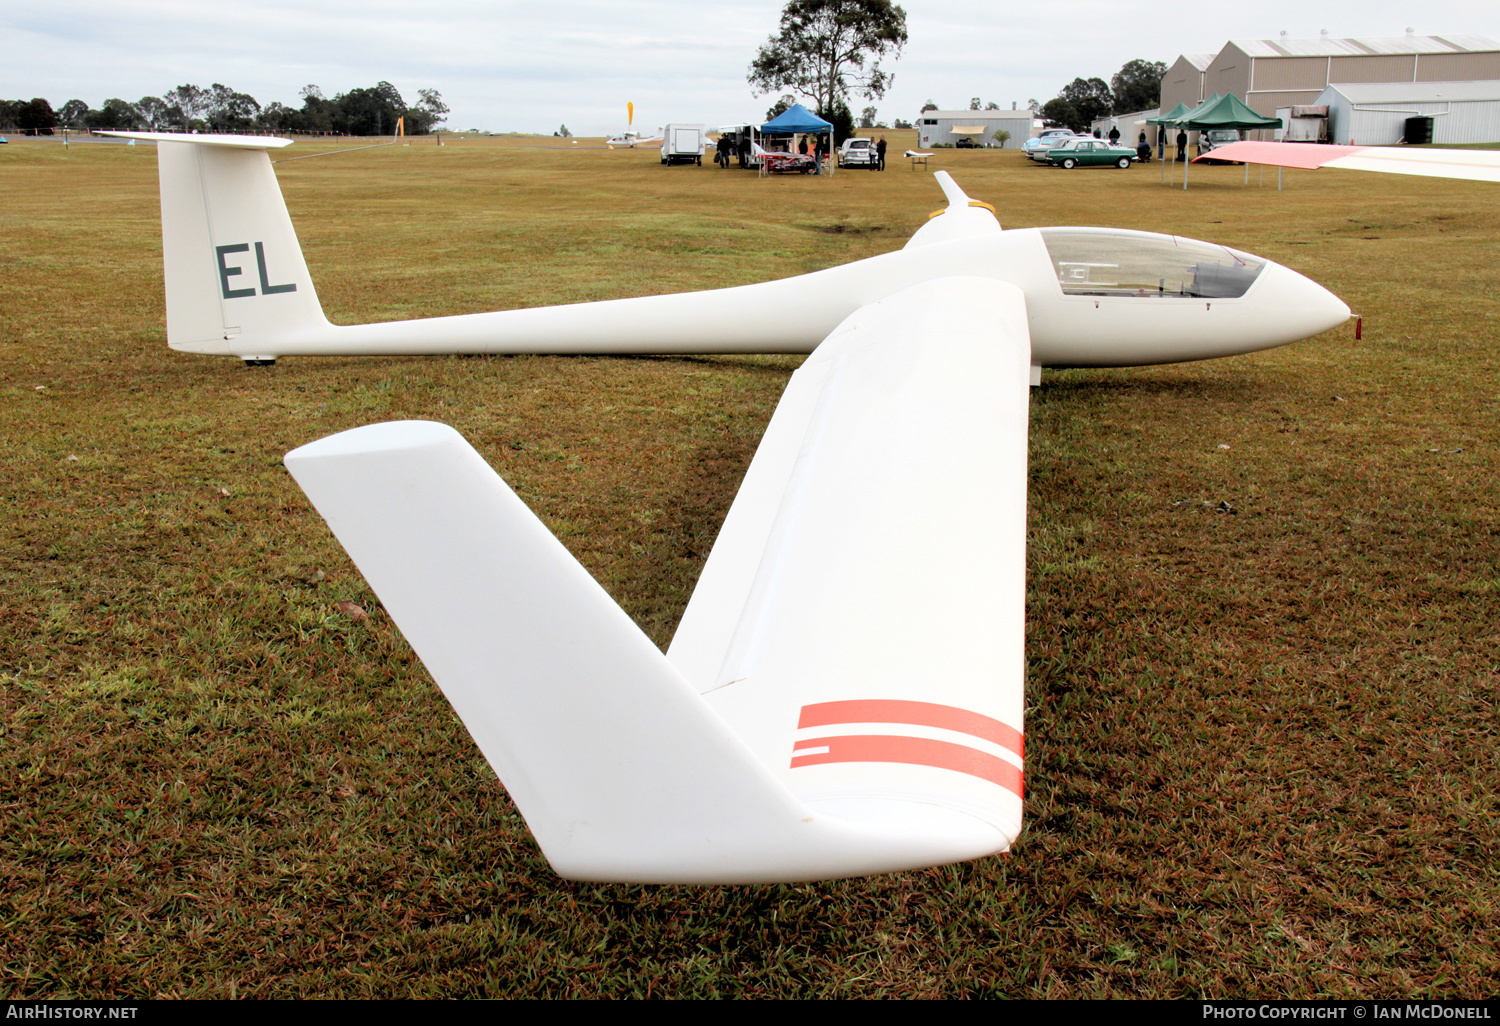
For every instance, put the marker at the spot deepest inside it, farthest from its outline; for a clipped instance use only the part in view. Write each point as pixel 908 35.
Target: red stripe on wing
pixel 921 714
pixel 913 751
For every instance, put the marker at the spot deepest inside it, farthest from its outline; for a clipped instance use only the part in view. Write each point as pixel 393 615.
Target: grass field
pixel 1262 744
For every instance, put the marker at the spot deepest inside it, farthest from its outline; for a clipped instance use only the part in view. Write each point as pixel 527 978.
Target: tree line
pixel 1135 87
pixel 190 108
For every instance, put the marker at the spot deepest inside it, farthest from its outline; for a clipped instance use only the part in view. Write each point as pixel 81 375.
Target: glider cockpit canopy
pixel 1105 262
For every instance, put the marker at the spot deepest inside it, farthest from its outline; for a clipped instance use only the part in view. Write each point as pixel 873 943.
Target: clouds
pixel 514 66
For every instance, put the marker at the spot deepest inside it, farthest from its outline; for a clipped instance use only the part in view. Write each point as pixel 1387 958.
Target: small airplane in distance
pixel 844 693
pixel 633 139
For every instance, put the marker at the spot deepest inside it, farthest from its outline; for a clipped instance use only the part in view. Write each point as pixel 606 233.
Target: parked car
pixel 1083 152
pixel 1216 137
pixel 857 153
pixel 1036 148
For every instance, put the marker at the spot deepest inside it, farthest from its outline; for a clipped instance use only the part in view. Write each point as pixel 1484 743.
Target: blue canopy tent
pixel 798 120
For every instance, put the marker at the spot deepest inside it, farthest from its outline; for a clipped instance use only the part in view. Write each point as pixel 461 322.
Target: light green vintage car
pixel 1083 152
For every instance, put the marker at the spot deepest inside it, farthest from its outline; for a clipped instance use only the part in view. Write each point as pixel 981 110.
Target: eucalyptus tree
pixel 828 50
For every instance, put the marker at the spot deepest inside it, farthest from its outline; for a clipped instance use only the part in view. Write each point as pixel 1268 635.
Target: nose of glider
pixel 1302 306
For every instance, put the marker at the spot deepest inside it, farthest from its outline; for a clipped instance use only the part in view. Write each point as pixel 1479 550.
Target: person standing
pixel 1114 135
pixel 880 154
pixel 1182 144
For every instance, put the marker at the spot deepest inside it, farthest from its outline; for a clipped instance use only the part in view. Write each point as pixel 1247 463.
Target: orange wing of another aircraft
pixel 1469 165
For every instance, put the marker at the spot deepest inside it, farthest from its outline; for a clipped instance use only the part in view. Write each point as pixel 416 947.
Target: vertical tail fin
pixel 236 280
pixel 961 218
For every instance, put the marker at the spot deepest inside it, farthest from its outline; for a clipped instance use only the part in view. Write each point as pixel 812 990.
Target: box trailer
pixel 683 144
pixel 1303 123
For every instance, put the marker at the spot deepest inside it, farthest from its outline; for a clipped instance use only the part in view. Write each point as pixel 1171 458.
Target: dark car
pixel 1086 152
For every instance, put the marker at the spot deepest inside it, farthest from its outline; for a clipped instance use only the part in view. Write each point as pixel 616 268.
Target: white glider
pixel 844 693
pixel 237 285
pixel 1468 165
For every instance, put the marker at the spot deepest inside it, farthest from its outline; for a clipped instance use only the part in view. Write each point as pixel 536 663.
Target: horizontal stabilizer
pixel 238 142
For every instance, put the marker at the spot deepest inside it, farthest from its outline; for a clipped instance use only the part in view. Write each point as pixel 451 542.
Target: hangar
pixel 949 127
pixel 1285 72
pixel 1271 73
pixel 1183 82
pixel 1376 113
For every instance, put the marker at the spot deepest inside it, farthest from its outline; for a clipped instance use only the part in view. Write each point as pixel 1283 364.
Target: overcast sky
pixel 508 66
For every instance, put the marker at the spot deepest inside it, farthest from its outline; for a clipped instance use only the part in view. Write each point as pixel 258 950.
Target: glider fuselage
pixel 1094 298
pixel 238 285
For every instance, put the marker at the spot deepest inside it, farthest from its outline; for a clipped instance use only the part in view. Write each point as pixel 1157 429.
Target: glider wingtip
pixel 387 437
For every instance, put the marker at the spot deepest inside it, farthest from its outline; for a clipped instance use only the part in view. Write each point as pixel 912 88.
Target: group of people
pixel 1142 147
pixel 727 149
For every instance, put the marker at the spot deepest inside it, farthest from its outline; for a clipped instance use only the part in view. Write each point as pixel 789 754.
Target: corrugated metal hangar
pixel 949 127
pixel 1183 82
pixel 1375 113
pixel 1271 73
pixel 1284 72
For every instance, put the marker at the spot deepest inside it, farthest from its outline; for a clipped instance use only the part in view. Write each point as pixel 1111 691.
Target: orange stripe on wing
pixel 912 751
pixel 922 714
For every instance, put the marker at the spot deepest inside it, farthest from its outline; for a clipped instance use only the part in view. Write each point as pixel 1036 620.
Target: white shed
pixel 948 127
pixel 1375 113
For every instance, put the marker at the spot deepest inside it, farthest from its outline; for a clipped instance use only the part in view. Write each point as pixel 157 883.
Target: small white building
pixel 948 127
pixel 1130 126
pixel 1375 113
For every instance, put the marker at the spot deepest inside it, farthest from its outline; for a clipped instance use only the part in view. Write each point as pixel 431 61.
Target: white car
pixel 858 153
pixel 1036 147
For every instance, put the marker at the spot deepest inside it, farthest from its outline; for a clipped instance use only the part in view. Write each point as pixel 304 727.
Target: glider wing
pixel 867 588
pixel 1470 165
